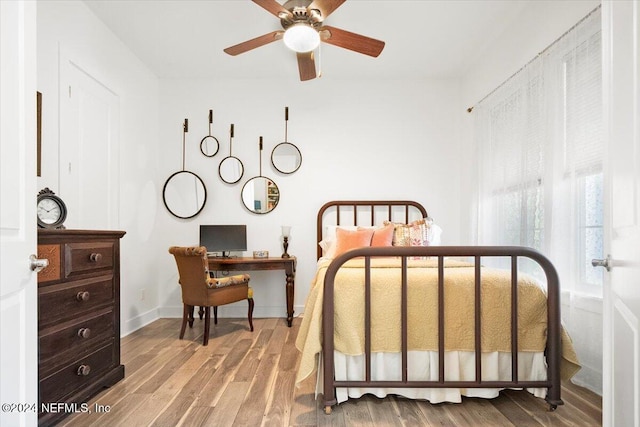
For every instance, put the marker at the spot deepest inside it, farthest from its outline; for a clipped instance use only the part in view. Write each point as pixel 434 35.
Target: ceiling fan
pixel 303 30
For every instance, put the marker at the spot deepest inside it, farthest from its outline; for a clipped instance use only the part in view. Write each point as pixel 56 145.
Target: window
pixel 591 233
pixel 583 154
pixel 540 151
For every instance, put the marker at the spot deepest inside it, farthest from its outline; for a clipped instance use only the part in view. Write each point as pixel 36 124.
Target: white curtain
pixel 539 158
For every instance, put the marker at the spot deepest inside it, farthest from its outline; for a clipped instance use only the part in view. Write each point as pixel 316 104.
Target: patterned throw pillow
pixel 413 234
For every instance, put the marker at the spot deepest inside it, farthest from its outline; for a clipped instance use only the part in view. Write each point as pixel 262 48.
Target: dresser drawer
pixel 77 374
pixel 75 336
pixel 72 299
pixel 84 258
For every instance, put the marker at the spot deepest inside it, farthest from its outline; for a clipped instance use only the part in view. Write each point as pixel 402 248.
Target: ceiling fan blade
pixel 351 41
pixel 306 66
pixel 254 43
pixel 273 7
pixel 326 7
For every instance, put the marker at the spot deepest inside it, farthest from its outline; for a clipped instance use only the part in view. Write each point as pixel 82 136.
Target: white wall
pixel 538 26
pixel 360 139
pixel 71 28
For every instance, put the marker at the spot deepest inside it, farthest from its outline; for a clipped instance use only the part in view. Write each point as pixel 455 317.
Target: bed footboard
pixel 553 344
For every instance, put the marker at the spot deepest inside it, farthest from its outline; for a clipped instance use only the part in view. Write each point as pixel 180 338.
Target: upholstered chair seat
pixel 199 289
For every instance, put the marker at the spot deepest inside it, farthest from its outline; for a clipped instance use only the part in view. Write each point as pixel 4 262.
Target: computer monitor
pixel 223 238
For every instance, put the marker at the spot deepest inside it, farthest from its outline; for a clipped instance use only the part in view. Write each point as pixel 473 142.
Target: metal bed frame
pixel 553 346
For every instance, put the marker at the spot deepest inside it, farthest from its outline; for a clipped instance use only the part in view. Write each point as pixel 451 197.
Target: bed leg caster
pixel 327 410
pixel 552 407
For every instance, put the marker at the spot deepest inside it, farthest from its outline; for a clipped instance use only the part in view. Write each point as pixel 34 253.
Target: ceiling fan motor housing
pixel 300 14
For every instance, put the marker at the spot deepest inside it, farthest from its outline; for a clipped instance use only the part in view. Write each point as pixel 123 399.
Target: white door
pixel 89 117
pixel 18 236
pixel 621 355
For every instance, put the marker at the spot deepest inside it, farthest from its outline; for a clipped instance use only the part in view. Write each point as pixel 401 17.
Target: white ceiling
pixel 424 38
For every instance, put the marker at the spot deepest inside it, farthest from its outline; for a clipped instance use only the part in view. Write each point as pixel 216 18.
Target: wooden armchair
pixel 198 289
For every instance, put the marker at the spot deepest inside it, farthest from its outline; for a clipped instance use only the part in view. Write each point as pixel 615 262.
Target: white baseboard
pixel 238 310
pixel 231 311
pixel 138 322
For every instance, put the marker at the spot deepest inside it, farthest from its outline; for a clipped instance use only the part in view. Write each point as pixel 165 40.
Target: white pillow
pixel 434 235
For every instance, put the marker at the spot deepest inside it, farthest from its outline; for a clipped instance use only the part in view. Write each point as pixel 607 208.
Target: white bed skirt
pixel 423 365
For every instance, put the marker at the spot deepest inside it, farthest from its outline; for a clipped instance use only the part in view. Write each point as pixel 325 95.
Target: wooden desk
pixel 247 264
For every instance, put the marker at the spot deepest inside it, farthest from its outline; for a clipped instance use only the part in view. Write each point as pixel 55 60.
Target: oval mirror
pixel 209 146
pixel 231 170
pixel 184 194
pixel 286 158
pixel 260 195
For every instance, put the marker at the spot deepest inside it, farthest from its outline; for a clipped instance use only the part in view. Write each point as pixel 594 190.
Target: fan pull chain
pixel 230 138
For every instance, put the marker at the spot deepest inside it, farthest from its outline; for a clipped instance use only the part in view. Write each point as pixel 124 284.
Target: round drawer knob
pixel 82 296
pixel 84 332
pixel 95 257
pixel 83 370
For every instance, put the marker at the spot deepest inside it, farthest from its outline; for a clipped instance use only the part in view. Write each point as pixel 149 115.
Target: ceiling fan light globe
pixel 301 38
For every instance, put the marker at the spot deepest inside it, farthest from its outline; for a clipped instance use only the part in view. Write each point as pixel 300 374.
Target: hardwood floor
pixel 247 379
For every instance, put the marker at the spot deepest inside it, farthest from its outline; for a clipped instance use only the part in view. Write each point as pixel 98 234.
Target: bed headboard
pixel 365 213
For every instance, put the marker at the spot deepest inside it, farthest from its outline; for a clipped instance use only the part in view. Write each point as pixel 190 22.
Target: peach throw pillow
pixel 382 236
pixel 347 240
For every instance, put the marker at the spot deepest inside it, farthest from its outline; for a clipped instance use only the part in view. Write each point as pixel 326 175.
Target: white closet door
pixel 89 149
pixel 621 355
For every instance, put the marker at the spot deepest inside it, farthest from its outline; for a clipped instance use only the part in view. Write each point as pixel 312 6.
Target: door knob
pixel 606 263
pixel 37 264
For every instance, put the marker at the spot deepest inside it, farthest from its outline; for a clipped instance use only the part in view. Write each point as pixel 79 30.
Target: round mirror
pixel 209 146
pixel 184 194
pixel 231 170
pixel 286 158
pixel 260 195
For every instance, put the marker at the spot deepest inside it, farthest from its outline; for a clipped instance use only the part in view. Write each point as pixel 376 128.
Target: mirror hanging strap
pixel 185 129
pixel 260 155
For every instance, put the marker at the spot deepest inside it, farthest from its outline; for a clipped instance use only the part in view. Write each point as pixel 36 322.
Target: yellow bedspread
pixel 422 311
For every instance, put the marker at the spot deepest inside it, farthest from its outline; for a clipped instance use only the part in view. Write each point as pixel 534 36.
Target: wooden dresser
pixel 78 318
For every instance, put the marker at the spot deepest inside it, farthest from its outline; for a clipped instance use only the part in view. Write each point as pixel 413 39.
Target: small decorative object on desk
pixel 261 254
pixel 286 232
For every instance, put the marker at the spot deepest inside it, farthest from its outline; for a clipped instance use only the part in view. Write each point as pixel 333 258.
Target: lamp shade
pixel 301 38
